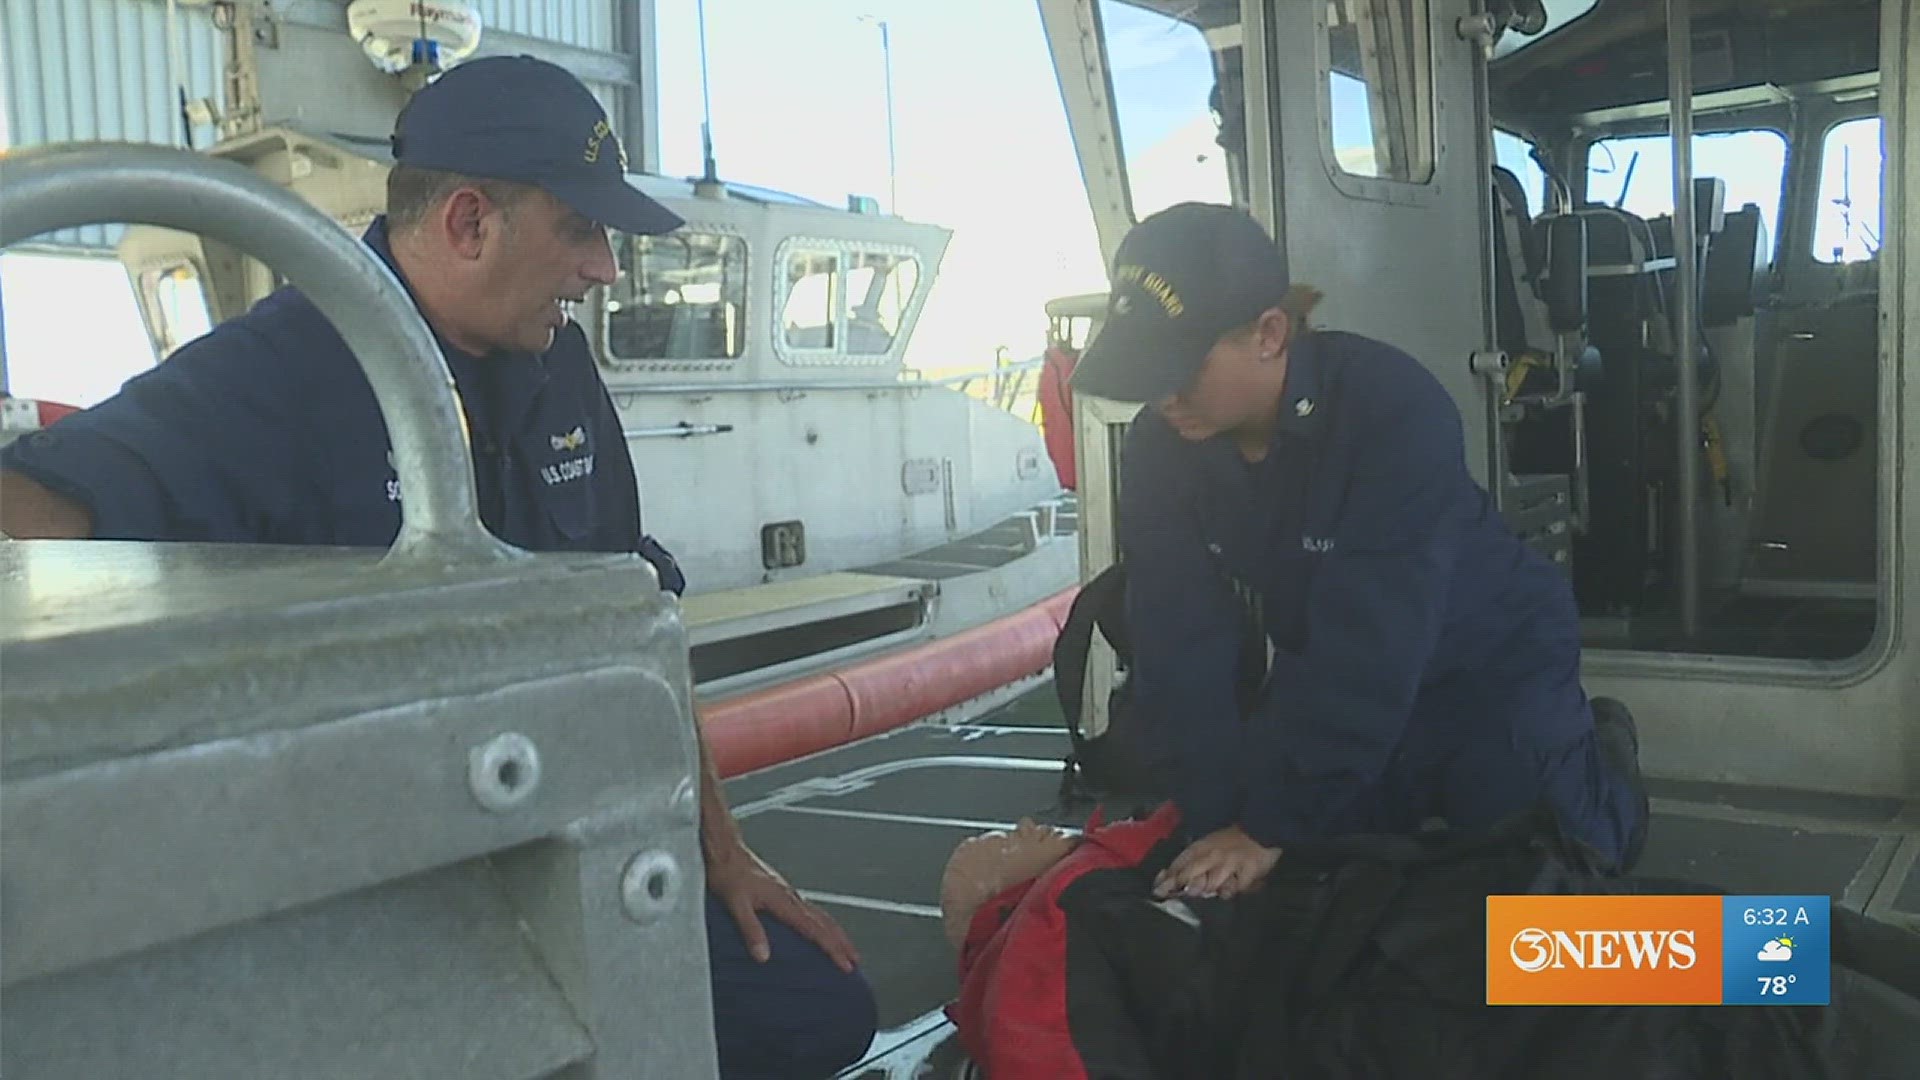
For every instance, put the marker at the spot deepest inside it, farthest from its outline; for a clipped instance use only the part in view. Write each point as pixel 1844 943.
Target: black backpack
pixel 1123 765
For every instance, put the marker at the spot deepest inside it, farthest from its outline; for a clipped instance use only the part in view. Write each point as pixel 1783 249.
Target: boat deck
pixel 865 831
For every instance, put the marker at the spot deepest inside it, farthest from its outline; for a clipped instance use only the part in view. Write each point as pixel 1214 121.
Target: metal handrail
pixel 1015 367
pixel 61 186
pixel 912 381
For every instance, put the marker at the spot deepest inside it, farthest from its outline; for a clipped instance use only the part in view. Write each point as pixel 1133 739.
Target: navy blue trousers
pixel 1507 737
pixel 795 1017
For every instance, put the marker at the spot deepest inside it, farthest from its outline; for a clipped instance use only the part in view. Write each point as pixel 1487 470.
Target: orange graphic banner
pixel 1604 950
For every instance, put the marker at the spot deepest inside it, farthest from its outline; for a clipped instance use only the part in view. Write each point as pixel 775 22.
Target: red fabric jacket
pixel 1012 1009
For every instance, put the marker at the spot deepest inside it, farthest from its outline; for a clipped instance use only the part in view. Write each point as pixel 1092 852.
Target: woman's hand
pixel 1225 863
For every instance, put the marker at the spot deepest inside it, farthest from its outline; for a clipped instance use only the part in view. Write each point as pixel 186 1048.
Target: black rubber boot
pixel 1619 742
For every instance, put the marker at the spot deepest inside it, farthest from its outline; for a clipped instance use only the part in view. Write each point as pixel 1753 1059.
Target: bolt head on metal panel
pixel 650 887
pixel 504 771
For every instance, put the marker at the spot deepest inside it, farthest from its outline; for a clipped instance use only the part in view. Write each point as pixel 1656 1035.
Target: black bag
pixel 1123 765
pixel 1365 957
pixel 1120 764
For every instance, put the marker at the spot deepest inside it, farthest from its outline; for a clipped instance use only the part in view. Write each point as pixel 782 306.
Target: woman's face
pixel 1239 384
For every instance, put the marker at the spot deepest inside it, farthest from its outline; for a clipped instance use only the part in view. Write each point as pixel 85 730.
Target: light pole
pixel 886 60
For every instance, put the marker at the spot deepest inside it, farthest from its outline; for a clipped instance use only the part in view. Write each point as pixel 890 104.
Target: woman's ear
pixel 1272 333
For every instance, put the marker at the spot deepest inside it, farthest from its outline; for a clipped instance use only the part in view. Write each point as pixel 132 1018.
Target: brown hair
pixel 1299 303
pixel 413 191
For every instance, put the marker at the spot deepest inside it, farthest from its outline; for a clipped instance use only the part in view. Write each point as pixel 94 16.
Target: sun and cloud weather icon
pixel 1779 949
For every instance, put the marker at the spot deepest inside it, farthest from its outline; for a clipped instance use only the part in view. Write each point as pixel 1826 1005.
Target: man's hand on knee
pixel 747 885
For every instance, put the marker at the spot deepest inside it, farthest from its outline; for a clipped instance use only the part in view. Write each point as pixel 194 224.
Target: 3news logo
pixel 1658 950
pixel 1536 950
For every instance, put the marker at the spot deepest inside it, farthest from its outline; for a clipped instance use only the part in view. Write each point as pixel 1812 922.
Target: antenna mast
pixel 711 175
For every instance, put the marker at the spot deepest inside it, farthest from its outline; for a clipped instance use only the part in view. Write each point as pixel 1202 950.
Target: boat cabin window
pixel 1515 154
pixel 1070 332
pixel 811 313
pixel 850 302
pixel 179 305
pixel 73 327
pixel 681 296
pixel 1635 173
pixel 1380 89
pixel 879 286
pixel 1846 224
pixel 1168 104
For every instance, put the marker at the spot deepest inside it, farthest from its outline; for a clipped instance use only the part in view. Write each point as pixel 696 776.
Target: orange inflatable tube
pixel 808 715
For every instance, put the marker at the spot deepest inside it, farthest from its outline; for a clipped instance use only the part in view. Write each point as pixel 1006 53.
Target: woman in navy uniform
pixel 1425 663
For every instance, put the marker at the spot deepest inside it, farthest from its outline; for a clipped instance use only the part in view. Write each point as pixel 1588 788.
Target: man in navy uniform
pixel 1425 663
pixel 507 178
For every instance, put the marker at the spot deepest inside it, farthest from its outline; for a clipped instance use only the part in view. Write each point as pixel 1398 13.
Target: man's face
pixel 540 258
pixel 1237 385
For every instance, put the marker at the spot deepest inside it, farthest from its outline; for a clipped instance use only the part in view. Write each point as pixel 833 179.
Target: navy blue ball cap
pixel 1182 278
pixel 524 119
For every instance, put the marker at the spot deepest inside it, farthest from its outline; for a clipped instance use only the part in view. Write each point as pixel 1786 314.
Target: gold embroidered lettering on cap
pixel 1153 285
pixel 601 130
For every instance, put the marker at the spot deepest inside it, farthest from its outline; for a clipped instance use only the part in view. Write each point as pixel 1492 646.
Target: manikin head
pixel 983 865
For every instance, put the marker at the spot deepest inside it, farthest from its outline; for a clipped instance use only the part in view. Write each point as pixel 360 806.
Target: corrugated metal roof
pixel 586 23
pixel 97 69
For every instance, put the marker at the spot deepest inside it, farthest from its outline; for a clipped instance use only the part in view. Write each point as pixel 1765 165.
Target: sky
pixel 1162 74
pixel 981 142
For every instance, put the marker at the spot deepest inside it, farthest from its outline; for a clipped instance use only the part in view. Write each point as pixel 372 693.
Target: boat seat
pixel 1519 258
pixel 1622 301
